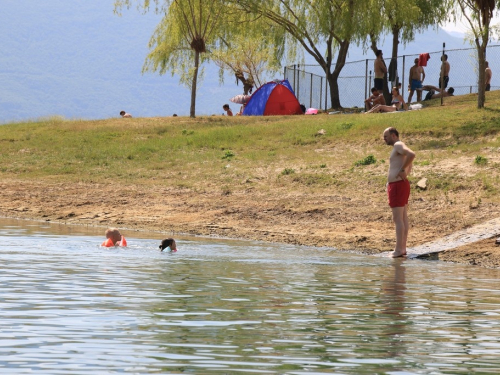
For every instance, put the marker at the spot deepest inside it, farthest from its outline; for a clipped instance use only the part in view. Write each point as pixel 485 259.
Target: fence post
pixel 321 94
pixel 284 73
pixel 366 79
pixel 311 92
pixel 441 75
pixel 326 94
pixel 294 78
pixel 403 77
pixel 298 83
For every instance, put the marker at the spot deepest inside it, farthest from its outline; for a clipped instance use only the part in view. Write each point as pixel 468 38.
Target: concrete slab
pixel 475 233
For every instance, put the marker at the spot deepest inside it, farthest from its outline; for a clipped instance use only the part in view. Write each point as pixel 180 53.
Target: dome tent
pixel 273 98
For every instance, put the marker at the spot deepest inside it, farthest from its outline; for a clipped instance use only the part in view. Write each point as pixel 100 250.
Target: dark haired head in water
pixel 168 242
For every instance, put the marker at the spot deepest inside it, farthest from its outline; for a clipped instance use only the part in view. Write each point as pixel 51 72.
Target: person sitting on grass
pixel 242 108
pixel 375 98
pixel 125 114
pixel 397 104
pixel 226 108
pixel 114 238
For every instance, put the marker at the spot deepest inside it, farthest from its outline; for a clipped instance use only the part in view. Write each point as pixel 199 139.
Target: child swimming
pixel 169 245
pixel 114 238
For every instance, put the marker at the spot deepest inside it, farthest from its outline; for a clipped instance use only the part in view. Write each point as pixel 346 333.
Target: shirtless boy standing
pixel 487 76
pixel 398 187
pixel 417 76
pixel 444 77
pixel 380 70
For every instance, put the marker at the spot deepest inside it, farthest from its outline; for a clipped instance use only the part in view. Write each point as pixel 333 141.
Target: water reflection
pixel 393 302
pixel 69 306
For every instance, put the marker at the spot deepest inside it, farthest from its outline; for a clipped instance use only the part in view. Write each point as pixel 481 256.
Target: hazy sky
pixel 462 26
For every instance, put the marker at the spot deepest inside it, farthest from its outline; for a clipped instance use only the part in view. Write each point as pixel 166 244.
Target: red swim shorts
pixel 398 193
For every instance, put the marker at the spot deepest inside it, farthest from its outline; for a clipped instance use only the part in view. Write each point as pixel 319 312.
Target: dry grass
pixel 267 178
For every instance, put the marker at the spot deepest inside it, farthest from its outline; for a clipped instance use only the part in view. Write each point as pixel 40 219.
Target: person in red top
pixel 114 238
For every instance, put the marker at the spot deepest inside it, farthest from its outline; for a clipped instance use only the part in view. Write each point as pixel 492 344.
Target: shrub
pixel 229 154
pixel 370 159
pixel 480 160
pixel 287 171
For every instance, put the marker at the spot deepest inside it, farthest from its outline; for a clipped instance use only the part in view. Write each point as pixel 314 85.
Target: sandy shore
pixel 358 223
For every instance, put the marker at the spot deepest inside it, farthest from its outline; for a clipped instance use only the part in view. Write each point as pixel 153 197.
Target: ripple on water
pixel 70 306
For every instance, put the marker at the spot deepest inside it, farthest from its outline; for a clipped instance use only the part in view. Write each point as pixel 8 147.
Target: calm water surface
pixel 68 306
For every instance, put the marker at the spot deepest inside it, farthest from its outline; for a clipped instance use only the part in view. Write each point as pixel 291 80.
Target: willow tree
pixel 322 28
pixel 180 41
pixel 254 51
pixel 479 14
pixel 251 61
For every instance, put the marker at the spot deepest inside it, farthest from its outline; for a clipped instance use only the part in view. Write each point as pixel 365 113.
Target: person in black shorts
pixel 445 71
pixel 380 70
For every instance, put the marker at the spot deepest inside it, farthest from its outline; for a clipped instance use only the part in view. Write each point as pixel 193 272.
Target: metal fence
pixel 356 79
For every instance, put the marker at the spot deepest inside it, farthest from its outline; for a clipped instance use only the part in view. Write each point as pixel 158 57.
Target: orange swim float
pixel 109 243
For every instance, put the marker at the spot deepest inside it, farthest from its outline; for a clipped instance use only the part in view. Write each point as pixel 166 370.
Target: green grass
pixel 222 152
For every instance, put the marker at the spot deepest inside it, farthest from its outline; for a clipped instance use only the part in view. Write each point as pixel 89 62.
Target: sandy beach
pixel 345 223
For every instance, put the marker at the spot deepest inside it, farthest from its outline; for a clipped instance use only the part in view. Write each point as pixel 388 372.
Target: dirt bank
pixel 360 222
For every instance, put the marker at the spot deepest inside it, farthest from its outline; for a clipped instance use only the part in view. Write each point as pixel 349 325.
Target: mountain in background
pixel 77 59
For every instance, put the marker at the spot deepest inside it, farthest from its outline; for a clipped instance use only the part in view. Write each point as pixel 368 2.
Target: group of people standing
pixel 376 102
pixel 417 76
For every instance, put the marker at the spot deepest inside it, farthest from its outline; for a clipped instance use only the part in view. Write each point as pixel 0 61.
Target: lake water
pixel 230 307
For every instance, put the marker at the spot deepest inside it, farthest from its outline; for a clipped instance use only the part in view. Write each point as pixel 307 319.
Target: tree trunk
pixel 333 84
pixel 481 55
pixel 333 77
pixel 248 82
pixel 481 96
pixel 395 46
pixel 192 110
pixel 394 60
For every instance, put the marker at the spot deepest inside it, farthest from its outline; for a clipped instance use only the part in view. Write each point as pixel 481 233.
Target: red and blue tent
pixel 273 98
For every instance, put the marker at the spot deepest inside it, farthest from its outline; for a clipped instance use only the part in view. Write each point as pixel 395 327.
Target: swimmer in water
pixel 169 244
pixel 114 238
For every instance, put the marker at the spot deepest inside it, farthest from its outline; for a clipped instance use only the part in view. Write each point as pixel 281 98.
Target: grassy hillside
pixel 315 180
pixel 232 153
